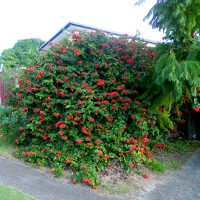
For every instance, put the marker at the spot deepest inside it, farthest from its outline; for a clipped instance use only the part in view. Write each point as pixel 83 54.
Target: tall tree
pixel 177 71
pixel 179 19
pixel 176 74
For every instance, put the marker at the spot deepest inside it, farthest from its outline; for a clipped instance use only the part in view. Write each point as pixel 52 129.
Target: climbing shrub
pixel 81 106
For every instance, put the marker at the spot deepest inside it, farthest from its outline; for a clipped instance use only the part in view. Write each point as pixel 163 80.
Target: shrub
pixel 9 123
pixel 81 106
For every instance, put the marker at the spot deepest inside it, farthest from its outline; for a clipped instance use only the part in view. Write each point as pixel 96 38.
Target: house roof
pixel 71 27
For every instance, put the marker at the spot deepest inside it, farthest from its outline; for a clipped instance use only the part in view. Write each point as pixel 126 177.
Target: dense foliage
pixel 9 123
pixel 24 53
pixel 81 106
pixel 179 19
pixel 174 76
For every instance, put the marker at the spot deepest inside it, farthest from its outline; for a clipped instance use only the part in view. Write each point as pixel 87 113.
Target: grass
pixel 7 148
pixel 172 165
pixel 120 190
pixel 182 145
pixel 174 160
pixel 8 193
pixel 160 166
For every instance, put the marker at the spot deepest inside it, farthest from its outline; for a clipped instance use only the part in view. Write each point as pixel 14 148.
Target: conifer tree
pixel 176 75
pixel 178 19
pixel 177 71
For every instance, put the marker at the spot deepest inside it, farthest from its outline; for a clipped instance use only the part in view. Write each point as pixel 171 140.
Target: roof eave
pixel 87 27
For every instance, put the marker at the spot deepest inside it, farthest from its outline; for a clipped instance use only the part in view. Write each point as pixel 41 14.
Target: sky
pixel 24 19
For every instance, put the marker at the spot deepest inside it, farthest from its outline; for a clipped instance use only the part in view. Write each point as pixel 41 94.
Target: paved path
pixel 183 184
pixel 40 185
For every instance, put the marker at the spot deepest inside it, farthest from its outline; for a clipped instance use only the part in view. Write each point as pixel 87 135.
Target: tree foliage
pixel 175 76
pixel 24 53
pixel 179 19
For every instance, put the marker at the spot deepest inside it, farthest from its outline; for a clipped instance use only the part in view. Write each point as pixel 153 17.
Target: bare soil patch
pixel 116 181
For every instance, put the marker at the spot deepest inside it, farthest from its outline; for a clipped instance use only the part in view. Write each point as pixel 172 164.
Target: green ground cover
pixel 8 193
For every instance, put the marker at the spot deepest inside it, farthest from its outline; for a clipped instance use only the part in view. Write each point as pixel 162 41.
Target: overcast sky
pixel 23 19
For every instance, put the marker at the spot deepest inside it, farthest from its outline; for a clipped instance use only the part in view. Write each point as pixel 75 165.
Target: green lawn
pixel 7 193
